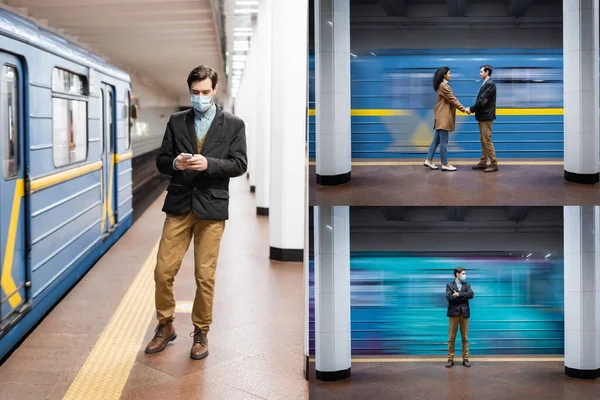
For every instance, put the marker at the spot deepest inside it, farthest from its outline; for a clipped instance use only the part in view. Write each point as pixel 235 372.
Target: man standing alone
pixel 458 293
pixel 202 149
pixel 485 113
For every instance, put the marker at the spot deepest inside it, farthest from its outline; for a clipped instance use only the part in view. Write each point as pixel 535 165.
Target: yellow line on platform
pixel 419 163
pixel 456 359
pixel 105 372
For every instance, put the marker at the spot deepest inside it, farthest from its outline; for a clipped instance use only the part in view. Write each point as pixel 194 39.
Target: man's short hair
pixel 487 68
pixel 458 270
pixel 201 73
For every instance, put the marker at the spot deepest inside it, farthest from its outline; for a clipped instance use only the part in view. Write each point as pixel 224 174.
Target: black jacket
pixel 459 305
pixel 485 104
pixel 206 192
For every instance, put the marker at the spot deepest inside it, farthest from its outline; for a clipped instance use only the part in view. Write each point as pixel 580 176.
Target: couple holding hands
pixel 445 115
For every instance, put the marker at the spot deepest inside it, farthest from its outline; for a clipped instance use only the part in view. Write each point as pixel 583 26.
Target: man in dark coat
pixel 458 293
pixel 485 114
pixel 202 149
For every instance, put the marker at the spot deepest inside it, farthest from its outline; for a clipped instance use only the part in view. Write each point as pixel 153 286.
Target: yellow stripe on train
pixel 6 280
pixel 403 112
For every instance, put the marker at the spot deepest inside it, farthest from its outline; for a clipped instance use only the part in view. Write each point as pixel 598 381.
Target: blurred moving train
pixel 398 303
pixel 66 186
pixel 392 100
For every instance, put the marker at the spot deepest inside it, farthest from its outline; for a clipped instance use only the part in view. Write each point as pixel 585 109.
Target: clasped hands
pixel 197 163
pixel 468 111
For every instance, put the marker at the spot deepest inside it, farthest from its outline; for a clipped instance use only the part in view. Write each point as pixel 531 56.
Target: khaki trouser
pixel 454 322
pixel 487 146
pixel 176 237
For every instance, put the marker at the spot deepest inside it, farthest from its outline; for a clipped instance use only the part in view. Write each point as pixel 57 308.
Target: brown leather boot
pixel 200 346
pixel 165 333
pixel 449 363
pixel 480 166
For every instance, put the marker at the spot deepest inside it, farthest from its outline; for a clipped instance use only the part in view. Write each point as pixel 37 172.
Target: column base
pixel 286 255
pixel 582 178
pixel 252 189
pixel 306 367
pixel 582 373
pixel 329 376
pixel 332 180
pixel 262 211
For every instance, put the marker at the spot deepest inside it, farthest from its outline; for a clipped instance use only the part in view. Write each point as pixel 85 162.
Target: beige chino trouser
pixel 176 237
pixel 454 322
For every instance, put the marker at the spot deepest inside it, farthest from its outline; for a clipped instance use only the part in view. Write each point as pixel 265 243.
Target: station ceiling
pixel 160 41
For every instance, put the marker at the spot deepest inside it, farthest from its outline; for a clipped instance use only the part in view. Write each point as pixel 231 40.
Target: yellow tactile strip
pixel 456 359
pixel 105 372
pixel 414 163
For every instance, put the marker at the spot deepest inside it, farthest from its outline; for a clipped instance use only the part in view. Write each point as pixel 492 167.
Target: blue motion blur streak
pixel 398 304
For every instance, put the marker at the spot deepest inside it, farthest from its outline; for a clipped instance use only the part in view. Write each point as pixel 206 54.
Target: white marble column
pixel 332 292
pixel 581 91
pixel 247 98
pixel 244 109
pixel 262 46
pixel 289 74
pixel 332 91
pixel 582 291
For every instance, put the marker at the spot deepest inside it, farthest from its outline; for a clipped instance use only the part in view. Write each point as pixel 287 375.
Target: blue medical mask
pixel 201 103
pixel 462 277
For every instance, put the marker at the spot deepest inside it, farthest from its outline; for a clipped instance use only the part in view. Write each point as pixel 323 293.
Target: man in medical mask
pixel 458 293
pixel 201 150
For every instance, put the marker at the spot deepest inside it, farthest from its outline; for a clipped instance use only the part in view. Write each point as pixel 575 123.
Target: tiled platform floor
pixel 415 185
pixel 433 381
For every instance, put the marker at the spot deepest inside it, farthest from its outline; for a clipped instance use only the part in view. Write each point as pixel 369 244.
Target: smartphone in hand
pixel 186 156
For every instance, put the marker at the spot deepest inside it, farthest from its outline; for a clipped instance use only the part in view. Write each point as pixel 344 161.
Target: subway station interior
pixel 326 279
pixel 377 324
pixel 89 90
pixel 371 101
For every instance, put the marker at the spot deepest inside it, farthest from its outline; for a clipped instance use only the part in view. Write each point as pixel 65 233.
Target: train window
pixel 127 119
pixel 69 117
pixel 10 122
pixel 529 87
pixel 69 126
pixel 68 82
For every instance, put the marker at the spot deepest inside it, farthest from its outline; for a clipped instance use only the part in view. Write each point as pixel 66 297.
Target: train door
pixel 13 273
pixel 109 217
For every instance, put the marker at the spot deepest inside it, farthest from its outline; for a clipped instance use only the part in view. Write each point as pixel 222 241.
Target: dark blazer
pixel 206 192
pixel 485 104
pixel 459 305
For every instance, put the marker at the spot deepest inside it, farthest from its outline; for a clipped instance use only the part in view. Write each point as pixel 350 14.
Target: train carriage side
pixel 66 169
pixel 392 102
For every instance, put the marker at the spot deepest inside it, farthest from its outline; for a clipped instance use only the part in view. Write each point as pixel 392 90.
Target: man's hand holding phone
pixel 196 162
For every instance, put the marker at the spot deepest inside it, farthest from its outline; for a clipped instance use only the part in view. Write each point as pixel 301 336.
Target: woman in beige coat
pixel 445 115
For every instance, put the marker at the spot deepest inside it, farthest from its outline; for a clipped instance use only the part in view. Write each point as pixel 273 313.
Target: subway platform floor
pixel 409 183
pixel 91 346
pixel 428 379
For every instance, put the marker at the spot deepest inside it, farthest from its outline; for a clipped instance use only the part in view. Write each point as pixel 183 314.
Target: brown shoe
pixel 165 333
pixel 466 363
pixel 200 346
pixel 449 363
pixel 480 166
pixel 491 168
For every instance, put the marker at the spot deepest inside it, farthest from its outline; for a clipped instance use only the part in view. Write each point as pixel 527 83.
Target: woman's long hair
pixel 438 77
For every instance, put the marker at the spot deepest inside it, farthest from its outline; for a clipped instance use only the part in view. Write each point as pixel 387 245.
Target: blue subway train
pixel 398 304
pixel 66 186
pixel 392 102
